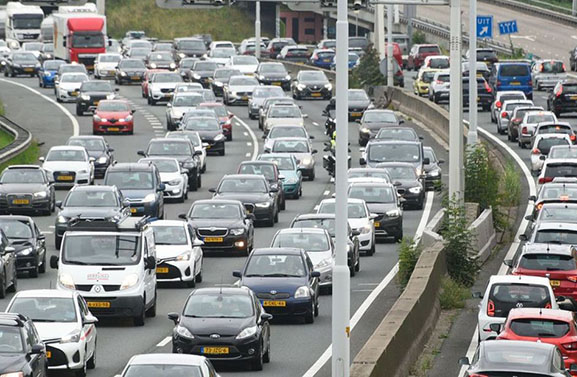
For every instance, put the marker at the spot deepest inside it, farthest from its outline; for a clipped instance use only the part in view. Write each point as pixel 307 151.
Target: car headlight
pixel 301 87
pixel 102 160
pixel 291 181
pixel 324 263
pixel 73 337
pixel 26 251
pixel 149 198
pixel 184 256
pixel 172 66
pixel 129 281
pixel 365 130
pixel 66 281
pixel 110 96
pixel 435 173
pixel 47 74
pixel 196 76
pixel 365 229
pixel 184 332
pixel 61 219
pixel 306 161
pixel 122 73
pixel 237 231
pixel 415 190
pixel 393 213
pixel 181 55
pixel 174 182
pixel 85 97
pixel 219 137
pixel 287 77
pixel 371 106
pixel 302 292
pixel 263 205
pixel 329 86
pixel 218 83
pixel 249 331
pixel 40 194
pixel 153 65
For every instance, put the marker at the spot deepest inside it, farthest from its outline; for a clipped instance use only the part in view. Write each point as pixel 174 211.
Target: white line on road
pixel 314 369
pixel 315 124
pixel 326 193
pixel 245 133
pixel 247 154
pixel 252 136
pixel 164 342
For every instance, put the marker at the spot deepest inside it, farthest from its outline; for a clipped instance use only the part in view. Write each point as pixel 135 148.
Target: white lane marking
pixel 247 154
pixel 248 143
pixel 253 137
pixel 245 133
pixel 51 226
pixel 326 193
pixel 515 245
pixel 574 36
pixel 314 369
pixel 164 342
pixel 75 126
pixel 315 124
pixel 528 37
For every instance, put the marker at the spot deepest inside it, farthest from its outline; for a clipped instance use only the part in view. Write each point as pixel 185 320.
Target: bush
pixel 509 196
pixel 367 73
pixel 409 254
pixel 453 294
pixel 419 37
pixel 480 177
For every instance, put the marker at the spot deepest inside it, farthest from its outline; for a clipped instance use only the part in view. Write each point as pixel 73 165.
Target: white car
pixel 284 130
pixel 180 104
pixel 220 44
pixel 157 364
pixel 68 86
pixel 69 165
pixel 547 73
pixel 500 99
pixel 283 114
pixel 542 146
pixel 178 252
pixel 436 61
pixel 530 122
pixel 505 292
pixel 196 141
pixel 239 90
pixel 64 324
pixel 506 113
pixel 105 65
pixel 175 180
pixel 360 219
pixel 378 175
pixel 246 64
pixel 221 56
pixel 161 86
pixel 259 96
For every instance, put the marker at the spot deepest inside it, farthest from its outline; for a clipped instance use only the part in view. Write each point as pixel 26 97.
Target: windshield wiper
pixel 254 275
pixel 76 262
pixel 281 275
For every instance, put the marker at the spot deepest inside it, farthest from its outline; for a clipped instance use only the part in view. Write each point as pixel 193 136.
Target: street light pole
pixel 390 79
pixel 340 361
pixel 101 7
pixel 356 23
pixel 257 31
pixel 472 136
pixel 455 106
pixel 380 30
pixel 277 20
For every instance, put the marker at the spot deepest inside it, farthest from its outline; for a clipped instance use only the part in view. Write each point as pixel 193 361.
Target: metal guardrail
pixel 22 139
pixel 533 9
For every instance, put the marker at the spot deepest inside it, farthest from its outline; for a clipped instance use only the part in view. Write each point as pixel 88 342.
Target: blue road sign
pixel 508 27
pixel 484 26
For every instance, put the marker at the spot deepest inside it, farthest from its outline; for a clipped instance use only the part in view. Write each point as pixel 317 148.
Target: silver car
pixel 500 99
pixel 529 122
pixel 239 90
pixel 506 112
pixel 541 147
pixel 259 95
pixel 180 104
pixel 439 87
pixel 301 148
pixel 547 73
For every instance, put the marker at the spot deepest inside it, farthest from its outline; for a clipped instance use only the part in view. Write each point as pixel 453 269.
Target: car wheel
pixel 199 179
pixel 14 286
pixel 266 356
pixel 256 363
pixel 140 317
pixel 198 277
pixel 283 203
pixel 399 236
pixel 310 315
pixel 317 308
pixel 151 313
pixel 221 153
pixel 79 111
pixel 371 251
pixel 34 273
pixel 57 242
pixel 81 372
pixel 91 363
pixel 229 136
pixel 2 288
pixel 358 265
pixel 194 185
pixel 276 217
pixel 190 283
pixel 352 271
pixel 42 268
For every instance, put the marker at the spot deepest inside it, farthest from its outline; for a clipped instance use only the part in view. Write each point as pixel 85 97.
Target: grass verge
pixel 453 294
pixel 27 157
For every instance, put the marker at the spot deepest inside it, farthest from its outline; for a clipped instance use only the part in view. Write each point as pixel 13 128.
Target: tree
pixel 367 73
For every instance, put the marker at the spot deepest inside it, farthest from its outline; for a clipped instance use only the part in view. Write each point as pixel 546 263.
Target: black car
pixel 273 74
pixel 28 242
pixel 189 48
pixel 484 93
pixel 221 78
pixel 487 55
pixel 327 221
pixel 563 98
pixel 26 188
pixel 183 151
pixel 8 274
pixel 23 353
pixel 409 184
pixel 433 172
pixel 185 66
pixel 210 132
pixel 224 324
pixel 311 84
pixel 382 200
pixel 97 147
pixel 359 101
pixel 91 93
pixel 89 203
pixel 284 281
pixel 255 194
pixel 129 70
pixel 269 170
pixel 276 45
pixel 160 60
pixel 374 120
pixel 47 52
pixel 202 72
pixel 21 63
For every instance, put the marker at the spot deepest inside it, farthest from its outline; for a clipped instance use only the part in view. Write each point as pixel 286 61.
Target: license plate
pixel 98 304
pixel 479 75
pixel 113 129
pixel 377 224
pixel 555 283
pixel 65 178
pixel 74 94
pixel 208 147
pixel 276 83
pixel 326 60
pixel 28 69
pixel 215 350
pixel 213 239
pixel 245 98
pixel 275 303
pixel 356 114
pixel 574 98
pixel 315 94
pixel 96 103
pixel 162 270
pixel 135 77
pixel 20 201
pixel 133 210
pixel 48 354
pixel 515 83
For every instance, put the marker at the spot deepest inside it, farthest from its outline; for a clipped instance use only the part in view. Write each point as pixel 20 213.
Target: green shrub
pixel 409 254
pixel 27 157
pixel 367 73
pixel 453 294
pixel 419 37
pixel 481 178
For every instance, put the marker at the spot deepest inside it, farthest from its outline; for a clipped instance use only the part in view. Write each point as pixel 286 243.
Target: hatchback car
pixel 91 93
pixel 270 171
pixel 373 120
pixel 155 364
pixel 311 84
pixel 289 173
pixel 113 116
pixel 28 242
pixel 68 86
pixel 105 65
pixel 530 122
pixel 202 72
pixel 269 73
pixel 21 63
pixel 500 98
pixel 160 60
pixel 210 132
pixel 47 73
pixel 301 149
pixel 129 71
pixel 224 116
pixel 194 138
pixel 283 114
pixel 563 98
pixel 514 119
pixel 547 73
pixel 409 183
pixel 259 95
pixel 505 116
pixel 178 106
pixel 26 188
pixel 418 54
pixel 239 90
pixel 422 81
pixel 22 348
pixel 433 171
pixel 541 147
pixel 161 86
pixel 69 165
pixel 97 148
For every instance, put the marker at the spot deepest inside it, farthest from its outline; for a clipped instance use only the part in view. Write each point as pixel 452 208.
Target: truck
pixel 23 22
pixel 79 35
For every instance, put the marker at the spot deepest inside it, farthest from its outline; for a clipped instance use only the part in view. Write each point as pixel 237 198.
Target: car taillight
pixel 499 83
pixel 572 279
pixel 530 82
pixel 564 68
pixel 498 104
pixel 399 73
pixel 539 206
pixel 478 375
pixel 545 180
pixel 536 151
pixel 570 346
pixel 559 91
pixel 524 130
pixel 439 82
pixel 491 308
pixel 488 88
pixel 573 137
pixel 516 120
pixel 504 114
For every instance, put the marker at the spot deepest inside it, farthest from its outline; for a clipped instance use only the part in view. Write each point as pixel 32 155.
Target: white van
pixel 112 265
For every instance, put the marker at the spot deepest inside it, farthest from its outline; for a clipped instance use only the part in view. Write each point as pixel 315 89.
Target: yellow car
pixel 421 83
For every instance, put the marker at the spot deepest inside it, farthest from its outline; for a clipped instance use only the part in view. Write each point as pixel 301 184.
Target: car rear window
pixel 429 49
pixel 553 67
pixel 541 328
pixel 547 262
pixel 569 89
pixel 545 144
pixel 504 297
pixel 510 70
pixel 561 170
pixel 486 54
pixel 555 129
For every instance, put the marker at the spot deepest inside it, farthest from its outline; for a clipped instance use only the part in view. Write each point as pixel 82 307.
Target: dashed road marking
pixel 326 193
pixel 164 342
pixel 247 154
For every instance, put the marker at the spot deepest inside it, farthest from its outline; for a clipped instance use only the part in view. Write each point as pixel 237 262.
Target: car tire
pixel 358 265
pixel 266 356
pixel 310 315
pixel 57 242
pixel 79 111
pixel 199 179
pixel 399 236
pixel 81 372
pixel 190 283
pixel 34 273
pixel 256 363
pixel 2 288
pixel 229 136
pixel 221 153
pixel 352 271
pixel 198 277
pixel 372 250
pixel 194 185
pixel 91 363
pixel 139 318
pixel 276 217
pixel 283 203
pixel 151 313
pixel 42 267
pixel 14 286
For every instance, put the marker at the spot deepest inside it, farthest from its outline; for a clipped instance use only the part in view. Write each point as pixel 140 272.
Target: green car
pixel 292 180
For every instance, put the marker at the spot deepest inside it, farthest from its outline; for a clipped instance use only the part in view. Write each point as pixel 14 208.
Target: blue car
pixel 284 282
pixel 354 60
pixel 47 72
pixel 322 58
pixel 291 176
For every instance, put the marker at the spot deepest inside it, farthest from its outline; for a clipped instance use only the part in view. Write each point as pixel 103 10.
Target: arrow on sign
pixel 484 31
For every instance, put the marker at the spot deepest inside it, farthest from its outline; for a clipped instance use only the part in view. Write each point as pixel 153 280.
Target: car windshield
pixel 291 146
pixel 163 47
pixel 87 40
pixel 27 21
pixel 430 155
pixel 284 112
pixel 187 63
pixel 327 224
pixel 394 152
pixel 205 66
pixel 353 57
pixel 215 211
pixel 277 132
pixel 545 144
pixel 164 166
pixel 160 57
pixel 242 185
pixel 101 250
pixel 283 163
pixel 569 89
pixel 380 117
pixel 548 262
pixel 155 370
pixel 25 57
pixel 218 305
pixel 139 52
pixel 219 110
pixel 11 340
pixel 554 129
pixel 141 44
pixel 132 64
pixel 373 194
pixel 45 309
pixel 556 236
pixel 130 180
pixel 91 199
pixel 109 58
pixel 169 235
pixel 405 134
pixel 358 42
pixel 507 296
pixel 66 155
pixel 244 60
pixel 558 191
pixel 538 118
pixel 308 241
pixel 553 66
pixel 242 81
pixel 74 78
pixel 89 144
pixel 226 73
pixel 275 266
pixel 358 95
pixel 52 65
pixel 16 229
pixel 512 70
pixel 428 76
pixel 23 176
pixel 258 169
pixel 169 147
pixel 429 49
pixel 223 53
pixel 486 54
pixel 187 101
pixel 563 152
pixel 190 45
pixel 365 173
pixel 441 63
pixel 202 124
pixel 266 92
pixel 402 172
pixel 113 106
pixel 355 210
pixel 539 328
pixel 273 68
pixel 511 97
pixel 166 77
pixel 312 76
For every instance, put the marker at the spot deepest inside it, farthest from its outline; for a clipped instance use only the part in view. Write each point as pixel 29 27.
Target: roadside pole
pixel 380 30
pixel 101 7
pixel 455 106
pixel 472 136
pixel 257 31
pixel 277 21
pixel 390 79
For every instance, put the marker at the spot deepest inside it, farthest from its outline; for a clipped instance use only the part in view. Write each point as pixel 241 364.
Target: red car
pixel 224 117
pixel 146 77
pixel 113 116
pixel 418 54
pixel 550 326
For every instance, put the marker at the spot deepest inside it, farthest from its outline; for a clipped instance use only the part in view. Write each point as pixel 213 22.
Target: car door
pixel 88 329
pixel 196 250
pixel 38 361
pixel 9 261
pixel 149 273
pixel 313 281
pixel 40 242
pixel 264 325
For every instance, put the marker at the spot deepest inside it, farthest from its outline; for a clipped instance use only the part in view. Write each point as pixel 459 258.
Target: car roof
pixel 350 200
pixel 385 141
pixel 67 147
pixel 13 319
pixel 168 223
pixel 16 217
pixel 302 230
pixel 216 200
pixel 231 290
pixel 526 348
pixel 131 166
pixel 167 358
pixel 94 188
pixel 539 137
pixel 277 250
pixel 88 137
pixel 510 92
pixel 521 279
pixel 384 165
pixel 31 167
pixel 556 226
pixel 258 162
pixel 544 248
pixel 371 183
pixel 314 216
pixel 517 313
pixel 164 140
pixel 243 176
pixel 56 293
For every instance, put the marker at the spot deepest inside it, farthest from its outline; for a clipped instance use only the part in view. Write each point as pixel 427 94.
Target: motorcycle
pixel 329 160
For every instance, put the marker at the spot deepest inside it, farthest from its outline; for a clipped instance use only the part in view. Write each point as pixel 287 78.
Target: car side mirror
pixel 281 177
pixel 150 263
pixel 169 105
pixel 182 216
pixel 41 159
pixel 37 349
pixel 41 236
pixel 197 242
pixel 264 137
pixel 495 327
pixel 54 262
pixel 542 158
pixel 523 237
pixel 91 160
pixel 464 361
pixel 273 189
pixel 529 217
pixel 314 151
pixel 141 153
pixel 112 149
pixel 441 162
pixel 355 233
pixel 532 198
pixel 197 153
pixel 213 190
pixel 237 274
pixel 161 187
pixel 116 89
pixel 315 274
pixel 401 121
pixel 174 317
pixel 266 317
pixel 90 320
pixel 508 263
pixel 126 203
pixel 426 161
pixel 59 203
pixel 362 161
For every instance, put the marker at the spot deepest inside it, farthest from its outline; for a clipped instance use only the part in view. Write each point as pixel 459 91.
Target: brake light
pixel 573 137
pixel 559 91
pixel 478 375
pixel 545 180
pixel 498 104
pixel 548 305
pixel 536 151
pixel 530 82
pixel 488 88
pixel 499 83
pixel 524 130
pixel 541 67
pixel 439 82
pixel 572 279
pixel 315 57
pixel 491 308
pixel 570 346
pixel 564 68
pixel 516 120
pixel 564 197
pixel 504 114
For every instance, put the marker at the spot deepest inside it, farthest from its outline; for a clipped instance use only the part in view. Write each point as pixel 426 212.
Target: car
pixel 267 103
pixel 541 147
pixel 113 117
pixel 322 57
pixel 162 46
pixel 409 184
pixel 486 55
pixel 185 66
pixel 563 98
pixel 221 55
pixel 105 65
pixel 47 73
pixel 398 133
pixel 290 175
pixel 280 114
pixel 294 53
pixel 512 75
pixel 503 293
pixel 22 349
pixel 353 61
pixel 232 313
pixel 557 168
pixel 65 325
pixel 516 117
pixel 210 133
pixel 68 86
pixel 433 172
pixel 220 79
pixel 138 53
pixel 270 171
pixel 26 188
pixel 368 175
pixel 249 47
pixel 254 192
pixel 160 60
pixel 275 46
pixel 202 72
pixel 247 65
pixel 239 90
pixel 174 177
pixel 422 81
pixel 178 252
pixel 145 82
pixel 560 212
pixel 359 42
pixel 155 364
pixel 481 70
pixel 439 87
pixel 129 71
pixel 197 143
pixel 21 63
pixel 139 43
pixel 282 131
pixel 547 73
pixel 327 44
pixel 259 95
pixel 91 93
pixel 359 102
pixel 383 151
pixel 141 185
pixel 181 150
pixel 28 243
pixel 189 48
pixel 224 116
pixel 373 120
pixel 418 54
pixel 559 190
pixel 70 68
pixel 505 117
pixel 47 51
pixel 530 121
pixel 8 266
pixel 563 151
pixel 180 104
pixel 499 101
pixel 360 219
pixel 302 149
pixel 69 165
pixel 271 73
pixel 557 128
pixel 436 61
pixel 311 84
pixel 161 86
pixel 97 148
pixel 484 93
pixel 289 273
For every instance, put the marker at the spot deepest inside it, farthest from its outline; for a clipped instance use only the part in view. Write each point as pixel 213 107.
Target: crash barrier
pixel 22 139
pixel 545 10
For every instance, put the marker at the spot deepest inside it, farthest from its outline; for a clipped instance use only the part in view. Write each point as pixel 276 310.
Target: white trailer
pixel 23 22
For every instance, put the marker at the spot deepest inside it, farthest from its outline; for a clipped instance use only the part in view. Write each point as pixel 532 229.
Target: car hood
pixel 245 197
pixel 246 68
pixel 55 330
pixel 180 158
pixel 355 104
pixel 317 256
pixel 10 362
pixel 203 73
pixel 112 114
pixel 96 93
pixel 23 188
pixel 279 284
pixel 136 194
pixel 279 76
pixel 65 165
pixel 165 177
pixel 381 207
pixel 377 125
pixel 20 244
pixel 241 88
pixel 107 65
pixel 222 223
pixel 314 83
pixel 69 85
pixel 208 135
pixel 170 251
pixel 221 326
pixel 162 85
pixel 89 212
pixel 407 183
pixel 96 154
pixel 178 112
pixel 292 121
pixel 358 223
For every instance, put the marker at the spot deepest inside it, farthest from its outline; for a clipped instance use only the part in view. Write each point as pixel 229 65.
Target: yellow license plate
pixel 133 210
pixel 208 147
pixel 245 98
pixel 326 60
pixel 28 69
pixel 215 350
pixel 479 74
pixel 48 354
pixel 356 114
pixel 162 270
pixel 21 201
pixel 276 83
pixel 113 129
pixel 573 98
pixel 515 83
pixel 98 304
pixel 135 78
pixel 275 303
pixel 316 94
pixel 74 94
pixel 377 224
pixel 555 283
pixel 65 178
pixel 213 239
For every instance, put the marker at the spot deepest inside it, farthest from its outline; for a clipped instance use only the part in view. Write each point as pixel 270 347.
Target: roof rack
pixel 108 225
pixel 20 319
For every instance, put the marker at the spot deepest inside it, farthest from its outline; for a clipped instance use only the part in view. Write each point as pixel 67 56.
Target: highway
pixel 295 346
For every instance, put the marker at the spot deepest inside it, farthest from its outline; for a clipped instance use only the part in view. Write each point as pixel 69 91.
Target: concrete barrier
pixel 485 237
pixel 431 232
pixel 22 139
